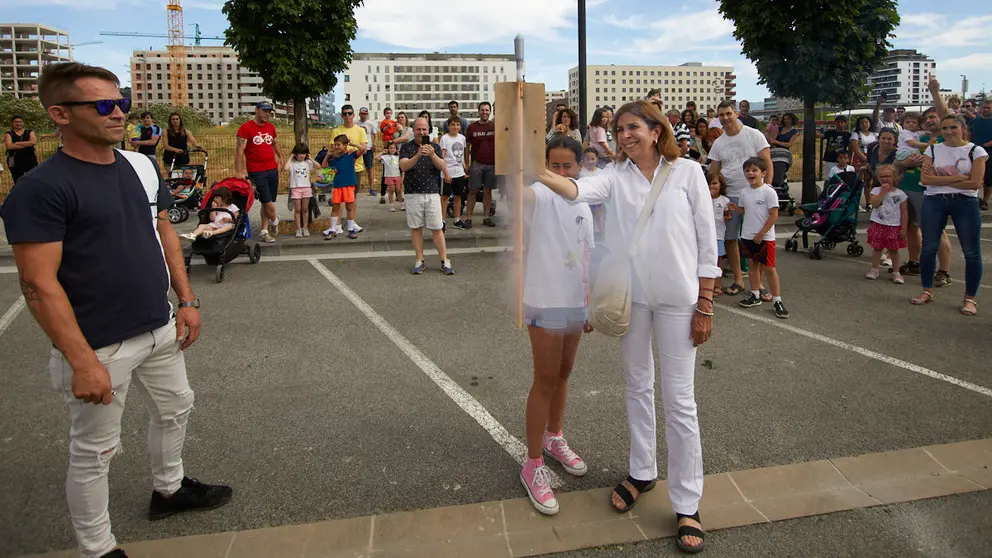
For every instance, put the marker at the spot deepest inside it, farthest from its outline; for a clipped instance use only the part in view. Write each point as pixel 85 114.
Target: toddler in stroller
pixel 834 217
pixel 229 240
pixel 221 219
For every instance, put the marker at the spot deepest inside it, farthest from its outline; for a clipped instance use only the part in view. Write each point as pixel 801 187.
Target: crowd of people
pixel 643 213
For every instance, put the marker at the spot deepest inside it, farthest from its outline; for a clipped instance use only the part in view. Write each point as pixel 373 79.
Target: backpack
pixel 971 153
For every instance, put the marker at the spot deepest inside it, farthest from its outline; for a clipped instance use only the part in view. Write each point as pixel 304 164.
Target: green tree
pixel 297 46
pixel 35 115
pixel 192 119
pixel 815 51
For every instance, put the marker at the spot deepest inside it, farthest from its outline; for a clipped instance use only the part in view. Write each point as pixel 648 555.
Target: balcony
pixel 731 77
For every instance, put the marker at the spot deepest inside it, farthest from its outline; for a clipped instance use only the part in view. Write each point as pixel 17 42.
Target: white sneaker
pixel 299 233
pixel 873 274
pixel 266 236
pixel 392 209
pixel 339 229
pixel 357 228
pixel 327 232
pixel 306 233
pixel 188 236
pixel 886 262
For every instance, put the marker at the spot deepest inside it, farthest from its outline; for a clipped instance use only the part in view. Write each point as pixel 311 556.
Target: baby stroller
pixel 222 249
pixel 834 217
pixel 190 180
pixel 781 163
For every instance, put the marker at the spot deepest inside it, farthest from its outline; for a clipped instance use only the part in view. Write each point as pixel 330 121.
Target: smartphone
pixel 425 140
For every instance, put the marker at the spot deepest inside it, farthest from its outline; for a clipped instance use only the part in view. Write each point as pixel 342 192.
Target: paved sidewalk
pixel 511 528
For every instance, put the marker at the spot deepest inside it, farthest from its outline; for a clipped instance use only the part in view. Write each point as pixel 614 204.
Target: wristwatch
pixel 195 303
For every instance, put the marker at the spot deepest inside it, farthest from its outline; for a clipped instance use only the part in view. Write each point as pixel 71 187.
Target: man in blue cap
pixel 258 158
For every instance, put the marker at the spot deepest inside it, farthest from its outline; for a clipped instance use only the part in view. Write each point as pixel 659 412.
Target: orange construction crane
pixel 177 55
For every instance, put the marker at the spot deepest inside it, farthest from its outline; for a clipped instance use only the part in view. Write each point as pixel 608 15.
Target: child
pixel 345 182
pixel 842 164
pixel 771 130
pixel 589 160
pixel 909 138
pixel 300 190
pixel 759 204
pixel 555 298
pixel 455 174
pixel 391 171
pixel 889 218
pixel 220 221
pixel 721 212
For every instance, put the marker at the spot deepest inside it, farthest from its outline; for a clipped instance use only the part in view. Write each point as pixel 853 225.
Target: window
pixel 159 86
pixel 201 105
pixel 211 105
pixel 159 96
pixel 347 78
pixel 199 67
pixel 139 96
pixel 199 96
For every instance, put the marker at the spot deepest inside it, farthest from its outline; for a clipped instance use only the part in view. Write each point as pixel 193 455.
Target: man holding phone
pixel 421 161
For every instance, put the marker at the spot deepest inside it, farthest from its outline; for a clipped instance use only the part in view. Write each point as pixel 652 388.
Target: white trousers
pixel 671 326
pixel 95 430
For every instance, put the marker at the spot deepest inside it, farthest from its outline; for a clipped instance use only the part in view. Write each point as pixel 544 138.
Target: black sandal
pixel 689 531
pixel 629 499
pixel 733 290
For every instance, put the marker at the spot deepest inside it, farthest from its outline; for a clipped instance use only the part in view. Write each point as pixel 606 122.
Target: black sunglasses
pixel 347 114
pixel 104 107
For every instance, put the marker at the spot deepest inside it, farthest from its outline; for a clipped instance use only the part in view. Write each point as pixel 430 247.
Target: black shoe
pixel 444 226
pixel 910 268
pixel 983 205
pixel 750 302
pixel 193 495
pixel 492 210
pixel 467 223
pixel 941 279
pixel 115 553
pixel 488 222
pixel 459 224
pixel 382 201
pixel 780 311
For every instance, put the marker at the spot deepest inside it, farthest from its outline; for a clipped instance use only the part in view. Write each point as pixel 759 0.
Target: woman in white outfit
pixel 678 256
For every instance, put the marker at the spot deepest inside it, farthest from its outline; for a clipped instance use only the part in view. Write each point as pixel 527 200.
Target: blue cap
pixel 264 105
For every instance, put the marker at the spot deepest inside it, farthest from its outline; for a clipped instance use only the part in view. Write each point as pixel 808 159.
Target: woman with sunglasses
pixel 20 143
pixel 952 173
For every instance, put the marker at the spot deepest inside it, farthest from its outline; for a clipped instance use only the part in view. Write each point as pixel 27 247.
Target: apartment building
pixel 615 85
pixel 415 82
pixel 903 78
pixel 555 96
pixel 24 49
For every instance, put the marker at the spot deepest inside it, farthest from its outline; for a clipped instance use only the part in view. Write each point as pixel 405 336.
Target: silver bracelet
pixel 708 314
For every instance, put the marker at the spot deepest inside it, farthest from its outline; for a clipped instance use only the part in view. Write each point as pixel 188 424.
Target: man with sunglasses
pixel 358 142
pixel 258 159
pixel 95 255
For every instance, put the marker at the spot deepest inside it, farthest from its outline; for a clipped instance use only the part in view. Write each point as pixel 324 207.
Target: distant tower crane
pixel 177 55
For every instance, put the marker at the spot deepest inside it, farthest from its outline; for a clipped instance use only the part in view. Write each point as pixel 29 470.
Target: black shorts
pixel 267 184
pixel 987 180
pixel 458 186
pixel 368 159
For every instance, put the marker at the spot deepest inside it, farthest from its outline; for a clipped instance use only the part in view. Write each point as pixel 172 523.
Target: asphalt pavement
pixel 314 408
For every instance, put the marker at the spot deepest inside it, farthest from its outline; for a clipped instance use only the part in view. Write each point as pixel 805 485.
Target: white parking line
pixel 860 350
pixel 462 398
pixel 11 313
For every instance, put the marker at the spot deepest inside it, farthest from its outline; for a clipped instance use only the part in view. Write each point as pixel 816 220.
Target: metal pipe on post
pixel 583 108
pixel 518 179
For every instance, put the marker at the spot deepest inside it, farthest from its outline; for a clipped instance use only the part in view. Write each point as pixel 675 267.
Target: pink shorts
pixel 393 180
pixel 300 193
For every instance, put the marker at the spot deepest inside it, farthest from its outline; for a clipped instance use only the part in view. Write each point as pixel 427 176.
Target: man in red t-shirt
pixel 258 158
pixel 481 156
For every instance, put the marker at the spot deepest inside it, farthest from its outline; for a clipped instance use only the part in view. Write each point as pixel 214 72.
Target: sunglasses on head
pixel 104 107
pixel 348 113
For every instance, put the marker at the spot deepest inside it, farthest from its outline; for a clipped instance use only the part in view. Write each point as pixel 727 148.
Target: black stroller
pixel 187 182
pixel 222 249
pixel 781 163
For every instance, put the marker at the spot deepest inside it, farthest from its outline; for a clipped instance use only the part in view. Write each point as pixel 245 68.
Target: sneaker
pixel 910 268
pixel 459 224
pixel 188 236
pixel 536 478
pixel 192 495
pixel 886 262
pixel 419 269
pixel 115 553
pixel 372 192
pixel 402 206
pixel 331 235
pixel 357 228
pixel 444 226
pixel 306 233
pixel 446 267
pixel 941 279
pixel 353 234
pixel 382 201
pixel 897 279
pixel 339 230
pixel 327 232
pixel 872 274
pixel 266 236
pixel 557 448
pixel 488 222
pixel 467 223
pixel 392 208
pixel 299 233
pixel 492 209
pixel 750 302
pixel 780 311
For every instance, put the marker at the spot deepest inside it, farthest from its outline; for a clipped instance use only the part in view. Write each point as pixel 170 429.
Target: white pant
pixel 424 211
pixel 95 430
pixel 672 326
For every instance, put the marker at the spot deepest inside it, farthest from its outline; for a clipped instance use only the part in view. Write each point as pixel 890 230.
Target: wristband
pixel 707 314
pixel 710 300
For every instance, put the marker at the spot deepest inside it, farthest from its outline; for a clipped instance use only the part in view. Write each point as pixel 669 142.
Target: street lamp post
pixel 582 68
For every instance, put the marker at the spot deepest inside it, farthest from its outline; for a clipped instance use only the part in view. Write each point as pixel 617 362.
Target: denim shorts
pixel 721 248
pixel 735 222
pixel 559 319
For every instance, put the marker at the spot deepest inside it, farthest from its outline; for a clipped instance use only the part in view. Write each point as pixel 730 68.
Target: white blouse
pixel 678 246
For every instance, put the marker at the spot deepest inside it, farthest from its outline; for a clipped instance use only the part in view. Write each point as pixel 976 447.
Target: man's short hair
pixel 57 82
pixel 485 103
pixel 726 104
pixel 387 109
pixel 840 118
pixel 755 162
pixel 342 138
pixel 347 107
pixel 452 103
pixel 147 114
pixel 673 111
pixel 653 93
pixel 14 117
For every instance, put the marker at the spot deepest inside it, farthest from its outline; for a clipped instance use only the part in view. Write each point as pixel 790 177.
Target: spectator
pixel 453 113
pixel 132 132
pixel 481 159
pixel 954 105
pixel 682 133
pixel 745 115
pixel 597 136
pixel 698 142
pixel 610 140
pixel 358 139
pixel 148 135
pixel 178 142
pixel 862 138
pixel 422 164
pixel 97 282
pixel 883 152
pixel 259 159
pixel 300 167
pixel 836 140
pixel 788 135
pixel 888 120
pixel 714 120
pixel 691 105
pixel 367 156
pixel 387 132
pixel 980 131
pixel 727 155
pixel 455 171
pixel 344 160
pixel 654 97
pixel 20 143
pixel 565 123
pixel 900 112
pixel 771 130
pixel 678 255
pixel 426 114
pixel 840 165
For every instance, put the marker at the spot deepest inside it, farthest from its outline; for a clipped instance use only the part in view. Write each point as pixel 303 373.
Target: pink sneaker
pixel 557 448
pixel 536 478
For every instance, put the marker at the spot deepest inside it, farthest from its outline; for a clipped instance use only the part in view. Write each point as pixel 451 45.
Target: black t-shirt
pixel 113 269
pixel 424 177
pixel 749 121
pixel 836 141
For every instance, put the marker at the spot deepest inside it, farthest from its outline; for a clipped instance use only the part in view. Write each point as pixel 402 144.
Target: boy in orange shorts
pixel 345 182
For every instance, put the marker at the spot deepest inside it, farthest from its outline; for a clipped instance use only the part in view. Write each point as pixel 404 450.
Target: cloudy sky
pixel 619 31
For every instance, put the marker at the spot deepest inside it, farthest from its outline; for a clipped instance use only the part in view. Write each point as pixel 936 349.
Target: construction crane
pixel 177 54
pixel 197 37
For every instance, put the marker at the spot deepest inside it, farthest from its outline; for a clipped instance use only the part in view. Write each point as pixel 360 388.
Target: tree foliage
pixel 297 46
pixel 192 119
pixel 35 115
pixel 820 52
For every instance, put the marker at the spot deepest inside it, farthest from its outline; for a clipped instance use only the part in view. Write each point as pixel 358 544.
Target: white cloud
pixel 928 30
pixel 677 33
pixel 971 62
pixel 82 5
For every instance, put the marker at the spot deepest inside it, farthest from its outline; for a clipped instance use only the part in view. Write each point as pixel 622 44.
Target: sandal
pixel 921 299
pixel 766 295
pixel 734 290
pixel 689 531
pixel 629 499
pixel 966 311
